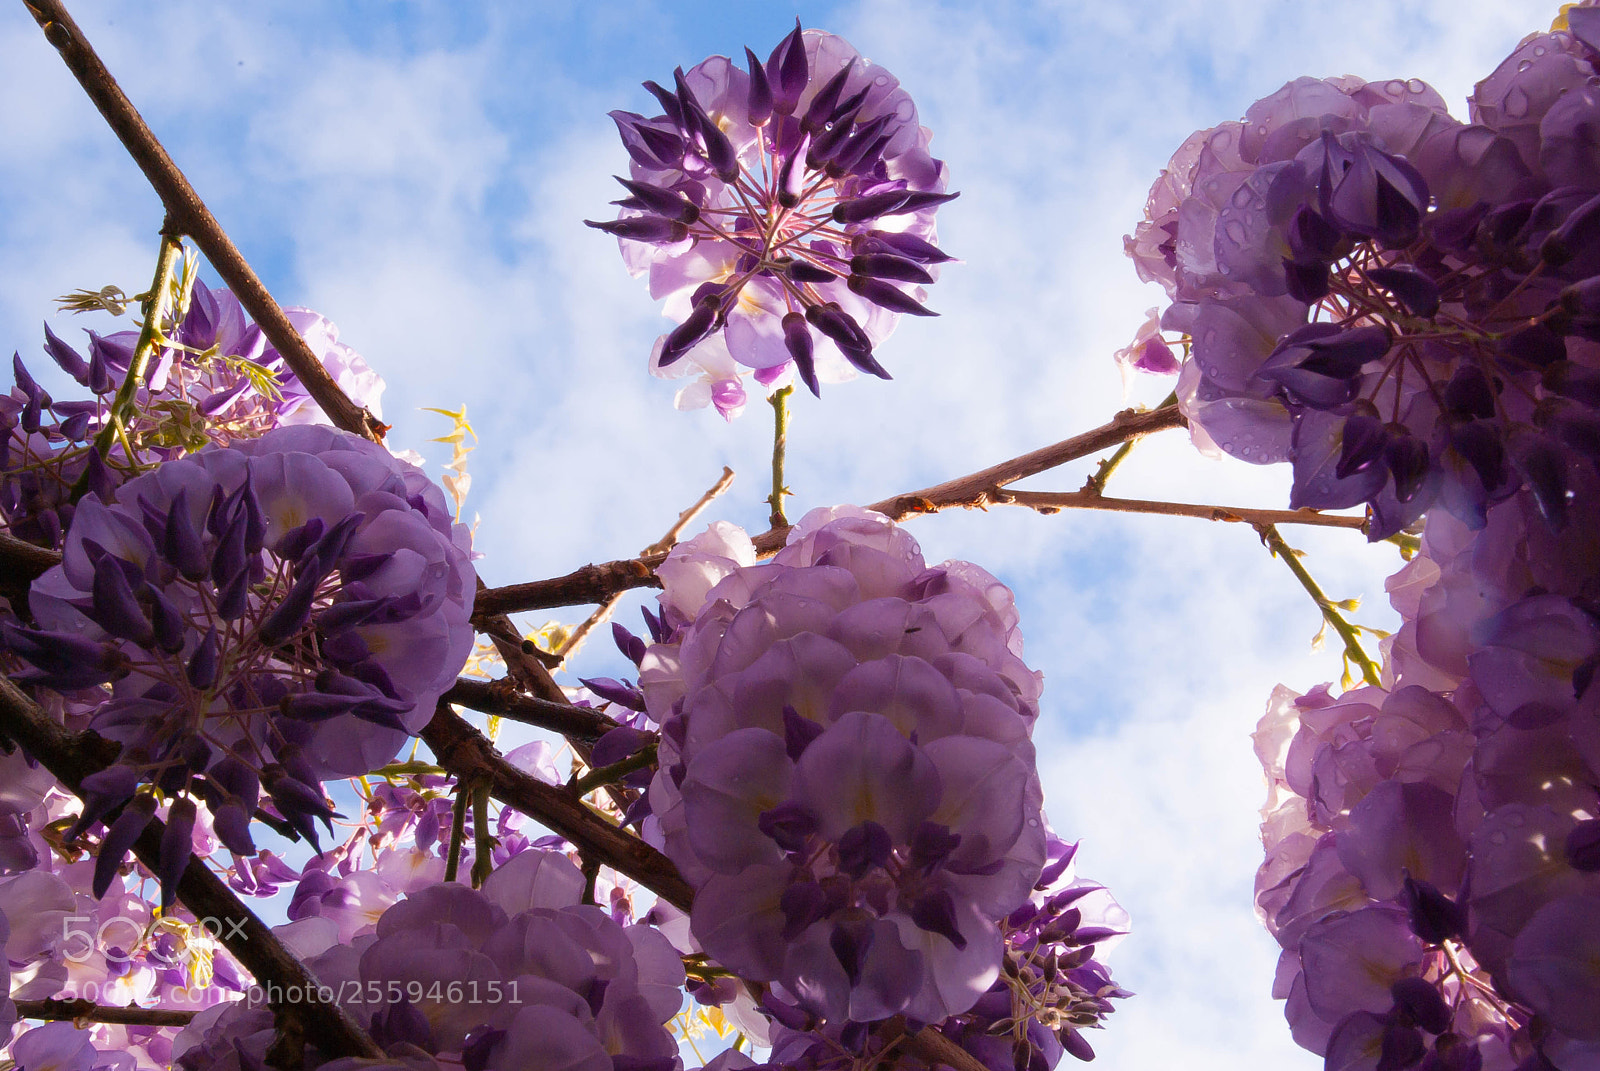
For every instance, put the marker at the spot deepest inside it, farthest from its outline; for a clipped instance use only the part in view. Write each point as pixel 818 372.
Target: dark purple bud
pixel 1074 1043
pixel 651 146
pixel 1574 381
pixel 1542 464
pixel 1380 196
pixel 1434 916
pixel 921 199
pixel 232 827
pixel 669 104
pixel 1479 442
pixel 1306 281
pixel 1362 443
pixel 1416 293
pixel 1402 1047
pixel 936 913
pixel 65 662
pixel 1578 233
pixel 169 627
pixel 842 329
pixel 931 844
pixel 662 202
pixel 100 381
pixel 643 229
pixel 1469 394
pixel 701 321
pixel 1420 1002
pixel 803 903
pixel 300 804
pixel 1583 846
pixel 861 151
pixel 233 597
pixel 615 691
pixel 102 792
pixel 658 631
pixel 820 110
pixel 1407 458
pixel 719 151
pixel 28 386
pixel 1312 238
pixel 358 567
pixel 290 615
pixel 859 209
pixel 804 271
pixel 828 142
pixel 888 296
pixel 115 607
pixel 295 542
pixel 758 100
pixel 889 266
pixel 902 244
pixel 788 824
pixel 798 732
pixel 789 71
pixel 119 840
pixel 617 744
pixel 223 400
pixel 176 848
pixel 792 176
pixel 229 558
pixel 631 646
pixel 787 1014
pixel 1537 345
pixel 479 1047
pixel 797 340
pixel 75 429
pixel 850 942
pixel 202 668
pixel 864 846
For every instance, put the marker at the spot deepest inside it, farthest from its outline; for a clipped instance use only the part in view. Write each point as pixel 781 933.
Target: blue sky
pixel 417 171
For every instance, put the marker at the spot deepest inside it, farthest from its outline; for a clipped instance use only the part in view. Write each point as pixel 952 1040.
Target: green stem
pixel 645 756
pixel 780 443
pixel 155 311
pixel 1347 632
pixel 458 832
pixel 1097 482
pixel 483 842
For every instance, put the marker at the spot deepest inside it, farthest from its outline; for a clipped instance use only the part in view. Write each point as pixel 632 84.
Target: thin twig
pixel 87 1011
pixel 189 214
pixel 596 583
pixel 644 758
pixel 1347 632
pixel 780 447
pixel 1055 501
pixel 1102 473
pixel 72 758
pixel 465 752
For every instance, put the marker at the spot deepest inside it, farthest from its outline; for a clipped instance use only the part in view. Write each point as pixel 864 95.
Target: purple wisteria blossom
pixel 214 381
pixel 846 771
pixel 785 214
pixel 1402 305
pixel 247 622
pixel 517 976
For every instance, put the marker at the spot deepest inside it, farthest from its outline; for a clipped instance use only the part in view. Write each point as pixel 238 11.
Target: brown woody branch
pixel 87 1011
pixel 468 755
pixel 502 700
pixel 598 583
pixel 1054 502
pixel 190 215
pixel 71 758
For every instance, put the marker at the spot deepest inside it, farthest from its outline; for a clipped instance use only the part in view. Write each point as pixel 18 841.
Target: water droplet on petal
pixel 1515 105
pixel 1524 65
pixel 1235 232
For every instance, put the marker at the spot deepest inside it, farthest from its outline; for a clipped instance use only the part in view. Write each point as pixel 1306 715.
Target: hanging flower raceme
pixel 214 380
pixel 846 771
pixel 785 213
pixel 1401 305
pixel 517 976
pixel 266 616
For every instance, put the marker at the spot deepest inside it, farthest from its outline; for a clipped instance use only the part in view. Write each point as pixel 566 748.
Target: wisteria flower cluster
pixel 846 771
pixel 1400 304
pixel 785 214
pixel 214 378
pixel 519 975
pixel 267 615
